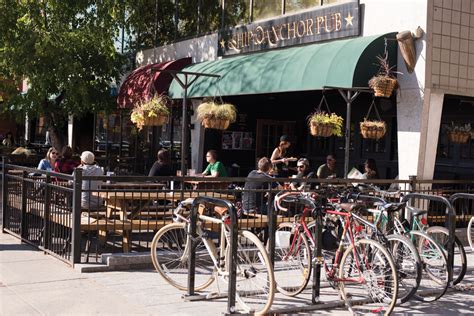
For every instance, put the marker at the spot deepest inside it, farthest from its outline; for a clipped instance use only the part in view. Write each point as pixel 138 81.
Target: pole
pixel 347 134
pixel 184 129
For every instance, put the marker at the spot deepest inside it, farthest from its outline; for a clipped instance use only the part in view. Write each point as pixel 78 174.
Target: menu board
pixel 237 140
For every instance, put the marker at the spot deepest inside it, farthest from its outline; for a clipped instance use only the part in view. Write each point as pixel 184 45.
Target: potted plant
pixel 214 115
pixel 324 124
pixel 384 82
pixel 459 134
pixel 153 112
pixel 372 129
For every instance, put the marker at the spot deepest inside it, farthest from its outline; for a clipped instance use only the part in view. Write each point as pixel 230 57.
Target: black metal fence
pixel 78 218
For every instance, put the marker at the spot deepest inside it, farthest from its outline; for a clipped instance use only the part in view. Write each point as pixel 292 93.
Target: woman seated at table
pixel 49 161
pixel 215 168
pixel 66 164
pixel 162 167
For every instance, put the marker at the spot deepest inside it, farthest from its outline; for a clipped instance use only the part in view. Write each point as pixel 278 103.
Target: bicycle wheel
pixel 255 283
pixel 368 278
pixel 440 235
pixel 169 253
pixel 434 280
pixel 470 233
pixel 292 262
pixel 408 264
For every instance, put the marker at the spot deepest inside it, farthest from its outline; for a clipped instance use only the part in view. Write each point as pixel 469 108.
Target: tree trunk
pixel 55 121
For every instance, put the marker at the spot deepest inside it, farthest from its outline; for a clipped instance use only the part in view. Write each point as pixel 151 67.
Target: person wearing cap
pixel 304 172
pixel 279 159
pixel 90 168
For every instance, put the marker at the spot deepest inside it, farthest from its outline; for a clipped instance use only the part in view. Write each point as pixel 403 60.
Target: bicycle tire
pixel 256 301
pixel 440 235
pixel 292 264
pixel 470 233
pixel 409 266
pixel 434 265
pixel 373 256
pixel 168 256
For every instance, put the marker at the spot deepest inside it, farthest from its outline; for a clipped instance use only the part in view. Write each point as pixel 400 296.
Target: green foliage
pixel 324 118
pixel 65 49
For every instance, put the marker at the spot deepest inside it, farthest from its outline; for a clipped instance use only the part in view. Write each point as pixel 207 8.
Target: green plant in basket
pixel 152 112
pixel 332 123
pixel 214 115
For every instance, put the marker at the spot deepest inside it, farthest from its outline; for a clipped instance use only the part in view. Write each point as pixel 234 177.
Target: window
pixel 263 9
pixel 298 5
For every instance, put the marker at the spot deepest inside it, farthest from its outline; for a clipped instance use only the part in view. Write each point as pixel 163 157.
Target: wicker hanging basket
pixel 383 86
pixel 372 129
pixel 158 120
pixel 215 123
pixel 459 137
pixel 321 130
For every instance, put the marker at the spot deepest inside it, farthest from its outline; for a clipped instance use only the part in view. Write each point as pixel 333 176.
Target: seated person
pixel 48 162
pixel 328 170
pixel 162 166
pixel 304 172
pixel 255 202
pixel 90 168
pixel 66 164
pixel 370 169
pixel 215 168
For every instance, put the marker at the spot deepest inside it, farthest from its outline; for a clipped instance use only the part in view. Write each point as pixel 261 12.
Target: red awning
pixel 142 83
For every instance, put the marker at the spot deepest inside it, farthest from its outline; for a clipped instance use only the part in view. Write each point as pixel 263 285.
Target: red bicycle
pixel 362 270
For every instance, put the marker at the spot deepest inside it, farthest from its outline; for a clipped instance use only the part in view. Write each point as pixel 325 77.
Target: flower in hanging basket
pixel 153 112
pixel 214 115
pixel 372 129
pixel 324 125
pixel 459 134
pixel 384 82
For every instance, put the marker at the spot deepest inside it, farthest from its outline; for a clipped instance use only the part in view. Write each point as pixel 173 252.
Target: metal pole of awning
pixel 349 95
pixel 185 85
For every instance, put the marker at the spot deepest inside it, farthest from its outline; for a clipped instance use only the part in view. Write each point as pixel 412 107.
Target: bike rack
pixel 450 224
pixel 233 247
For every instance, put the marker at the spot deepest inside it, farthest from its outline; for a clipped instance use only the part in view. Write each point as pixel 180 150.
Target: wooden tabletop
pixel 132 185
pixel 161 195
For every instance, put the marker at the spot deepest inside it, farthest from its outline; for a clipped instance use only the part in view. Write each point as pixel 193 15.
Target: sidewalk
pixel 32 283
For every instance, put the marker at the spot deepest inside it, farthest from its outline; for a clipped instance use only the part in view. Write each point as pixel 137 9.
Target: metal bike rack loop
pixel 450 224
pixel 233 247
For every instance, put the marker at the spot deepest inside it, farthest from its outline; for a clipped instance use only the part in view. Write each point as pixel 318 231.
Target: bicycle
pixel 363 269
pixel 171 249
pixel 470 233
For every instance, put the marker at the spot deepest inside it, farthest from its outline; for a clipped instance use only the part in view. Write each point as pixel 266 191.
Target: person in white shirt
pixel 90 168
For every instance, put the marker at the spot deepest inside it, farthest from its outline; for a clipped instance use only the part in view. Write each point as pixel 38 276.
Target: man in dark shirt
pixel 304 172
pixel 255 201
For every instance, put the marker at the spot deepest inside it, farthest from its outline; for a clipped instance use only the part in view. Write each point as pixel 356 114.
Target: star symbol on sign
pixel 349 19
pixel 222 42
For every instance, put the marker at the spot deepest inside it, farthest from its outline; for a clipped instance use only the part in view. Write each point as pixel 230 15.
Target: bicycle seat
pixel 392 207
pixel 415 211
pixel 348 207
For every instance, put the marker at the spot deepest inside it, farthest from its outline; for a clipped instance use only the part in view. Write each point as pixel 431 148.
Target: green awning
pixel 341 63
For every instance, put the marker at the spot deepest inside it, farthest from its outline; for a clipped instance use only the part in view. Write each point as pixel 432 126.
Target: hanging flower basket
pixel 383 86
pixel 320 130
pixel 322 124
pixel 217 116
pixel 153 112
pixel 459 134
pixel 372 129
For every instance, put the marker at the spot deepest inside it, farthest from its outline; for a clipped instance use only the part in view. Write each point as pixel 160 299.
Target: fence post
pixel 76 216
pixel 271 227
pixel 413 183
pixel 23 221
pixel 47 212
pixel 4 191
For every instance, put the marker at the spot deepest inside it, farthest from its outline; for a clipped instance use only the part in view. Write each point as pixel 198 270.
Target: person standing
pixel 162 166
pixel 66 164
pixel 328 170
pixel 279 159
pixel 49 161
pixel 214 168
pixel 252 201
pixel 90 168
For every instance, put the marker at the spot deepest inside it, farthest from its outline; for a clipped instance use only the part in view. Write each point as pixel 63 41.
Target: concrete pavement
pixel 32 283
